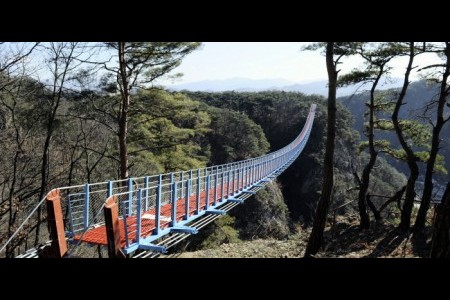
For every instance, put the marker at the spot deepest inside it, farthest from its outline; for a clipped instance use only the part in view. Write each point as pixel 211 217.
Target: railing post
pixel 158 206
pixel 215 187
pixel 261 170
pixel 208 188
pixel 248 176
pixel 258 169
pixel 228 183
pixel 182 184
pixel 260 165
pixel 264 168
pixel 110 188
pixel 130 196
pixel 58 247
pixel 146 184
pixel 244 176
pixel 138 216
pixel 86 206
pixel 246 180
pixel 233 189
pixel 252 172
pixel 111 212
pixel 186 198
pixel 222 175
pixel 174 204
pixel 238 178
pixel 197 208
pixel 125 224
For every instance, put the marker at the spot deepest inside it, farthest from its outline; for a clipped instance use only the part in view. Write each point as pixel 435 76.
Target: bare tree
pixel 376 57
pixel 62 61
pixel 14 176
pixel 315 239
pixel 410 157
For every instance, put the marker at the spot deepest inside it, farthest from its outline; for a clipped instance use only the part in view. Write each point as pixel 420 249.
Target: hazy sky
pixel 257 60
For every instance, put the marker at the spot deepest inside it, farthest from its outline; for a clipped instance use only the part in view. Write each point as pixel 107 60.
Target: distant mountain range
pixel 418 95
pixel 239 84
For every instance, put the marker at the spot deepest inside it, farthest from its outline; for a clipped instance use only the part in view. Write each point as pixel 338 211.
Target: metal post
pixel 130 196
pixel 222 184
pixel 228 183
pixel 233 189
pixel 158 206
pixel 257 170
pixel 110 188
pixel 174 204
pixel 197 208
pixel 186 198
pixel 147 180
pixel 249 176
pixel 125 225
pixel 238 178
pixel 256 174
pixel 261 169
pixel 244 176
pixel 245 173
pixel 252 172
pixel 182 183
pixel 208 188
pixel 215 187
pixel 86 206
pixel 138 216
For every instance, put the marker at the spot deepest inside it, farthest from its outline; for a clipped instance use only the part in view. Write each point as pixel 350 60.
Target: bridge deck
pixel 97 235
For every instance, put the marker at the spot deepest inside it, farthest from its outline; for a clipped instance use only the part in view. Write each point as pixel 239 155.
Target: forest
pixel 374 171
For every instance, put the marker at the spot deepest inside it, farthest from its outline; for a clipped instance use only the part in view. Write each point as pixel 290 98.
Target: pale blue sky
pixel 254 60
pixel 262 60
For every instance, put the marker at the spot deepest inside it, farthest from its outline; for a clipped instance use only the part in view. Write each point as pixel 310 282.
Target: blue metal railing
pixel 222 183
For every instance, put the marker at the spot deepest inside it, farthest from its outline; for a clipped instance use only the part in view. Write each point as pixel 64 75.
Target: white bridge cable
pixel 21 225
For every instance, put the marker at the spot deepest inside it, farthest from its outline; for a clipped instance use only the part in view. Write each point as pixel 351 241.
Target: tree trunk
pixel 376 212
pixel 316 236
pixel 123 120
pixel 428 185
pixel 410 157
pixel 440 247
pixel 44 177
pixel 58 83
pixel 365 178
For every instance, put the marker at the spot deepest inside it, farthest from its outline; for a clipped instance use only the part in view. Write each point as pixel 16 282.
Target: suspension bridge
pixel 145 216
